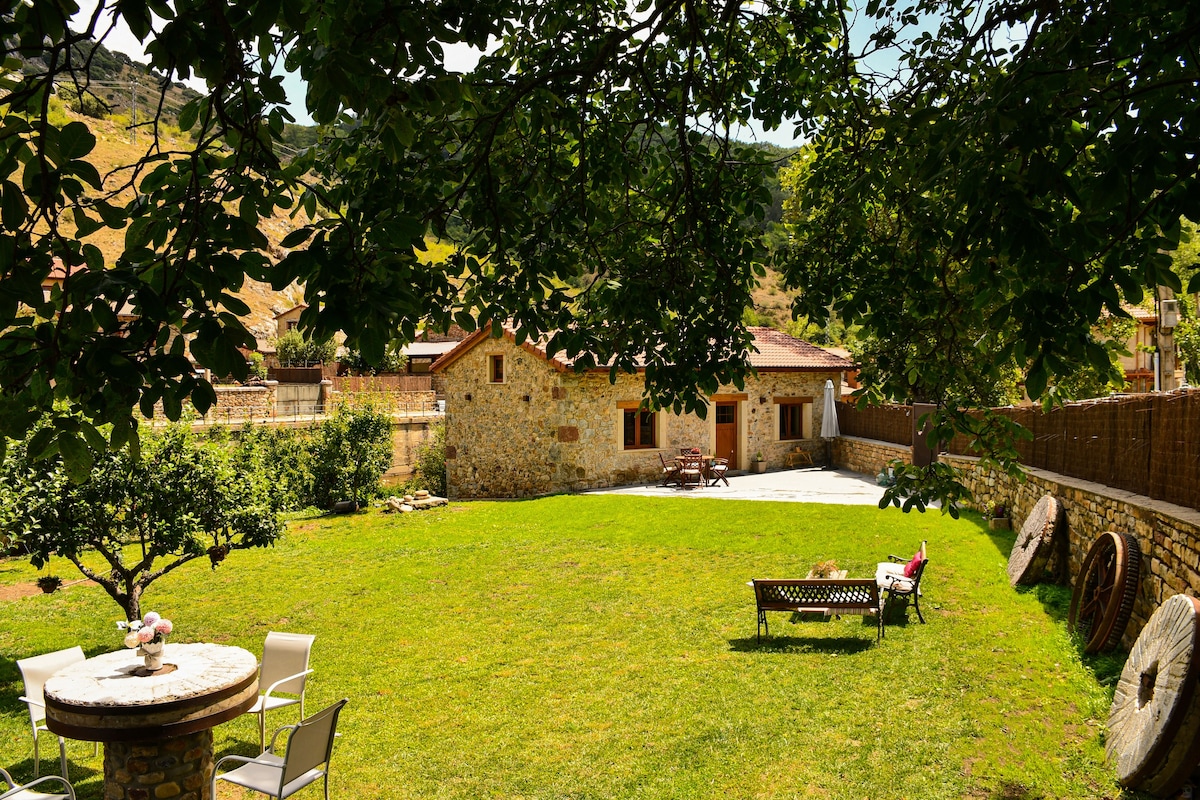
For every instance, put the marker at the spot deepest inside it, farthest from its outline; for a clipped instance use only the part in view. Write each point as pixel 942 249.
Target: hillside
pixel 116 148
pixel 122 94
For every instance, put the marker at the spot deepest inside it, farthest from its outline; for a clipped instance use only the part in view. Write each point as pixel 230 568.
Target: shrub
pixel 281 456
pixel 256 367
pixel 85 103
pixel 430 473
pixel 356 364
pixel 349 454
pixel 293 350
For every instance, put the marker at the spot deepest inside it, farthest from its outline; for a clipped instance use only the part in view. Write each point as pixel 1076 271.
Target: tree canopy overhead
pixel 1016 173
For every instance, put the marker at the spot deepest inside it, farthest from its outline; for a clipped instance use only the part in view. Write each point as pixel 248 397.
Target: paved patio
pixel 809 485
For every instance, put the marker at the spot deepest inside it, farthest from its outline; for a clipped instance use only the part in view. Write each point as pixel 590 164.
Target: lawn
pixel 604 647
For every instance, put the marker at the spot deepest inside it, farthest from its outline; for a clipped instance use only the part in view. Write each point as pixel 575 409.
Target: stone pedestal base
pixel 178 768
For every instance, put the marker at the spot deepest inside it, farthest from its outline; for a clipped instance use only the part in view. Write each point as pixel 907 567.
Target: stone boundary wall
pixel 868 456
pixel 253 401
pixel 1169 535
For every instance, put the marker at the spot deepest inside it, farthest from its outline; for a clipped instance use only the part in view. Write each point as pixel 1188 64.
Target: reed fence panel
pixel 1145 444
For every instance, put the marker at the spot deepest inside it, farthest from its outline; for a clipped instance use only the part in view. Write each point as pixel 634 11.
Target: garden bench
pixel 825 595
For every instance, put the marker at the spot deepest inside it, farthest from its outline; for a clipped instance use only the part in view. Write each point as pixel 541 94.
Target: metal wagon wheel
pixel 1154 723
pixel 1105 590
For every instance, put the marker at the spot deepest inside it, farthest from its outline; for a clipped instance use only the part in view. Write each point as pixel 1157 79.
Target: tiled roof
pixel 777 350
pixel 771 349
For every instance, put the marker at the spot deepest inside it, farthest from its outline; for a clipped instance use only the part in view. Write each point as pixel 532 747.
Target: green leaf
pixel 14 209
pixel 296 238
pixel 77 458
pixel 75 141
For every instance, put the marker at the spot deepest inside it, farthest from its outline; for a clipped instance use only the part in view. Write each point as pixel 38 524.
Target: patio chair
pixel 17 791
pixel 691 471
pixel 906 586
pixel 899 565
pixel 34 672
pixel 670 471
pixel 309 748
pixel 284 668
pixel 716 471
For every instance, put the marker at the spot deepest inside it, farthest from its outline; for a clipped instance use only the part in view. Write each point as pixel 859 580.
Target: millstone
pixel 1033 547
pixel 1154 724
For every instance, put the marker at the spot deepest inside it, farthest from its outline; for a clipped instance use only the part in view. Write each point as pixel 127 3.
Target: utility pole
pixel 1164 338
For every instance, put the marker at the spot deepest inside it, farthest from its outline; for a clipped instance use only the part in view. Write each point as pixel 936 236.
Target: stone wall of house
pixel 543 431
pixel 1168 535
pixel 868 456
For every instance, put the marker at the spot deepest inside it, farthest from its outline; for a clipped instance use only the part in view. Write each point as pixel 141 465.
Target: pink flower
pixel 145 634
pixel 163 626
pixel 151 618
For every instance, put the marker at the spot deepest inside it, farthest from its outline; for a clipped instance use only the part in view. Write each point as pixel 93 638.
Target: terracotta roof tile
pixel 778 350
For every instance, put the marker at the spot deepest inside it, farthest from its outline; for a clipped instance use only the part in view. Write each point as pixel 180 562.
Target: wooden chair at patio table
pixel 717 468
pixel 691 471
pixel 670 471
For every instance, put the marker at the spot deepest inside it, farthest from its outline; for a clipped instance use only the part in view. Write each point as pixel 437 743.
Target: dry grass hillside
pixel 116 148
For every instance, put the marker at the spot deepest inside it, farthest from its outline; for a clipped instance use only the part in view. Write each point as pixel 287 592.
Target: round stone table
pixel 156 729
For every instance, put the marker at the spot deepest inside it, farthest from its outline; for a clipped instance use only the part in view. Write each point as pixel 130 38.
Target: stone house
pixel 522 422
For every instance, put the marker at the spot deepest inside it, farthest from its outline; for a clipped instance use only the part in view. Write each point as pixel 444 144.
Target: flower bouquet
pixel 149 636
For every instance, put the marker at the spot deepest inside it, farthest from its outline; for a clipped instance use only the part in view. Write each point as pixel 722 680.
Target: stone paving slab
pixel 808 485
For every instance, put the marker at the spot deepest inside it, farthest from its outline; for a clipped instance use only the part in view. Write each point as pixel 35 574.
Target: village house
pixel 522 422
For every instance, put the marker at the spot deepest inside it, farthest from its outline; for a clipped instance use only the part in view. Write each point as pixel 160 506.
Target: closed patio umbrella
pixel 829 423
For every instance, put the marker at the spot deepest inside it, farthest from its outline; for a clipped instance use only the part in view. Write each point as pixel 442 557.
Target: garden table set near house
pixel 691 469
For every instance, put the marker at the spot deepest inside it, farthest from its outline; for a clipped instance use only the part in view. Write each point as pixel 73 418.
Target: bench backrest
pixel 786 594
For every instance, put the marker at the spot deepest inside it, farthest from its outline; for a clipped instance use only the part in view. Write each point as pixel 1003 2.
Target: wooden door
pixel 727 433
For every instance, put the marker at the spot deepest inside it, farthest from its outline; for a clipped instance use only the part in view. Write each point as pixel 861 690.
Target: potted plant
pixel 49 583
pixel 824 569
pixel 758 464
pixel 999 519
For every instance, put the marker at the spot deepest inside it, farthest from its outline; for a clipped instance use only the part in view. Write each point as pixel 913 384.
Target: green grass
pixel 604 647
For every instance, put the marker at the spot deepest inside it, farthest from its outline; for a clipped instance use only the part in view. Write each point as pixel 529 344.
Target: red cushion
pixel 910 568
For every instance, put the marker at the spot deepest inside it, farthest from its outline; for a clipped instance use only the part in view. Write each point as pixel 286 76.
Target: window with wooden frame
pixel 639 429
pixel 496 368
pixel 795 417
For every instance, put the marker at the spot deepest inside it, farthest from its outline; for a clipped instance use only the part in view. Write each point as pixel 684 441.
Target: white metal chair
pixel 27 792
pixel 284 668
pixel 309 747
pixel 34 671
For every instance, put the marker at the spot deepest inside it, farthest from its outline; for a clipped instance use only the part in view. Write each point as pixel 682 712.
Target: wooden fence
pixel 890 423
pixel 1145 444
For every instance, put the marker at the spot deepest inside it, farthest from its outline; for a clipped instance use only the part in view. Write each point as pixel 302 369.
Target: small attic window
pixel 496 369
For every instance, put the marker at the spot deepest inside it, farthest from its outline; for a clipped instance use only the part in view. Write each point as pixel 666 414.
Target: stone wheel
pixel 1032 550
pixel 1154 724
pixel 1102 599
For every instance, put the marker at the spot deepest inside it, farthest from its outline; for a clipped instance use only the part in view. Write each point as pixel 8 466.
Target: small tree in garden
pixel 351 451
pixel 145 514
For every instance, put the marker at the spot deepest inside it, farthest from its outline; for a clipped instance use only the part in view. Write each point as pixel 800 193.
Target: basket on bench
pixel 846 595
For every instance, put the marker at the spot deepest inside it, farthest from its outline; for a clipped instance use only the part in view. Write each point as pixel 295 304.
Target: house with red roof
pixel 522 422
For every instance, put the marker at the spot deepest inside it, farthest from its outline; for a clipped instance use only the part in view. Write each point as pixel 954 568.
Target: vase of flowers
pixel 999 519
pixel 149 636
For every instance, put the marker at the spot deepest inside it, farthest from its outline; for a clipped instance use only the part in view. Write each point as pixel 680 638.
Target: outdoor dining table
pixel 156 726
